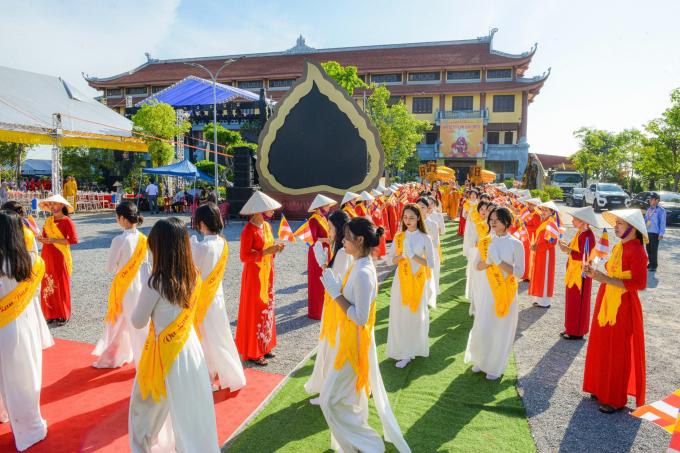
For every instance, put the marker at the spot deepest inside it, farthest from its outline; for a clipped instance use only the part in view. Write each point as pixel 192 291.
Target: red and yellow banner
pixel 461 138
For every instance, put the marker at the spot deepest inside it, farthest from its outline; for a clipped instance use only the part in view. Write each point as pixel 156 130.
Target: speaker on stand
pixel 244 179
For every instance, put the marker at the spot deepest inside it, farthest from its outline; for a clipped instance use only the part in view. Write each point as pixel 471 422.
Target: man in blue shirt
pixel 655 219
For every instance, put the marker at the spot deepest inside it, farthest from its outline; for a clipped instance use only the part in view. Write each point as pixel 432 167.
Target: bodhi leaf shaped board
pixel 318 140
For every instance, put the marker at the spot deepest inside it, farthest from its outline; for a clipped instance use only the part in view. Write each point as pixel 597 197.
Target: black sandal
pixel 270 355
pixel 261 362
pixel 606 409
pixel 537 305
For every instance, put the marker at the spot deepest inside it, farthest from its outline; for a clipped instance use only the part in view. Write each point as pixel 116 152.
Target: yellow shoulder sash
pixel 53 232
pixel 265 264
pixel 411 285
pixel 503 289
pixel 15 302
pixel 123 279
pixel 209 288
pixel 611 301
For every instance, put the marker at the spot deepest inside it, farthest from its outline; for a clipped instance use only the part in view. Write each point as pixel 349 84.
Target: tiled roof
pixel 402 57
pixel 552 161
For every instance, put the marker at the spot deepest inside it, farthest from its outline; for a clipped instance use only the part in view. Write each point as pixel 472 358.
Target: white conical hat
pixel 349 196
pixel 259 202
pixel 321 201
pixel 550 205
pixel 632 216
pixel 586 214
pixel 365 196
pixel 394 187
pixel 381 188
pixel 388 191
pixel 376 193
pixel 55 199
pixel 536 201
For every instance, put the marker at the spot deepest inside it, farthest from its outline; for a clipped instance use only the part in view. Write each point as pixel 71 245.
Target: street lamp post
pixel 214 77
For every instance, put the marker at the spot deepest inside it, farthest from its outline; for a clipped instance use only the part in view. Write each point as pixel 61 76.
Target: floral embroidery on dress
pixel 266 326
pixel 47 287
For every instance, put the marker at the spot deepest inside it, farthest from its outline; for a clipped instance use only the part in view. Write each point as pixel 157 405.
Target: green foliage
pixel 554 192
pixel 663 153
pixel 345 76
pixel 509 183
pixel 11 156
pixel 87 165
pixel 159 121
pixel 208 167
pixel 542 194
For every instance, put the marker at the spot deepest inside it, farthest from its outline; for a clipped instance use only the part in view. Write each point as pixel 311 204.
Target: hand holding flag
pixel 601 249
pixel 304 234
pixel 285 232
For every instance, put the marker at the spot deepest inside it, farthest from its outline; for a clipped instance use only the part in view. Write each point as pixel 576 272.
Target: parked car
pixel 566 180
pixel 575 197
pixel 669 200
pixel 606 195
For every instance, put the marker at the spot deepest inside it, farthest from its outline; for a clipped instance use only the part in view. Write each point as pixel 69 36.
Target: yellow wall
pixel 505 117
pixel 424 116
pixel 449 100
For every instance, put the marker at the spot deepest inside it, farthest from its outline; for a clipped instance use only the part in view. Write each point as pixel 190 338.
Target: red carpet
pixel 86 409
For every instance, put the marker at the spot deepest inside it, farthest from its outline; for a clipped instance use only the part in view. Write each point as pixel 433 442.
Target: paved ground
pixel 550 369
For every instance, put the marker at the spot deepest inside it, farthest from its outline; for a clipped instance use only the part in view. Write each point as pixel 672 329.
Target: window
pixel 462 103
pixel 493 138
pixel 114 92
pixel 155 90
pixel 281 83
pixel 250 84
pixel 499 73
pixel 362 77
pixel 422 105
pixel 430 138
pixel 136 91
pixel 508 139
pixel 386 78
pixel 393 100
pixel 463 75
pixel 504 103
pixel 424 77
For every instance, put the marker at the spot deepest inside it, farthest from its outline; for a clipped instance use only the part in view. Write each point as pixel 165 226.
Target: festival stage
pixel 87 408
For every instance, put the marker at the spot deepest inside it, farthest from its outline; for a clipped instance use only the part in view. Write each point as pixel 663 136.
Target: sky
pixel 614 62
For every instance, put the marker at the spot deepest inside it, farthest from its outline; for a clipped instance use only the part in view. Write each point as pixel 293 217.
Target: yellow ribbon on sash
pixel 573 277
pixel 265 264
pixel 29 237
pixel 611 301
pixel 123 279
pixel 53 232
pixel 15 302
pixel 411 285
pixel 355 343
pixel 160 353
pixel 322 221
pixel 209 288
pixel 350 211
pixel 331 318
pixel 503 289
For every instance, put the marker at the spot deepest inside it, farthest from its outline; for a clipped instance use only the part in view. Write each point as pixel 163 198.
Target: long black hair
pixel 129 211
pixel 362 227
pixel 15 261
pixel 339 219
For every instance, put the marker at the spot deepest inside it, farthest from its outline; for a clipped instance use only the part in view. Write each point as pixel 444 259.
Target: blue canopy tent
pixel 181 169
pixel 194 90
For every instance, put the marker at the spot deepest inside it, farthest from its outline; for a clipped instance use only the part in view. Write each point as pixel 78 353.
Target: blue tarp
pixel 181 169
pixel 36 167
pixel 196 91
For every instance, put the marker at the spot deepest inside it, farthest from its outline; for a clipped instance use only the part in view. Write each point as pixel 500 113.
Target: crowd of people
pixel 167 314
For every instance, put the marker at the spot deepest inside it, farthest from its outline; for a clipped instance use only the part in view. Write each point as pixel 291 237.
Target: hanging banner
pixel 461 138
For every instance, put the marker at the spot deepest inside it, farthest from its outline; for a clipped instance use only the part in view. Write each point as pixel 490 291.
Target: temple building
pixel 476 97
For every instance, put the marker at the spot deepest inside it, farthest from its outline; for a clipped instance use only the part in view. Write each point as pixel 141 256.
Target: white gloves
pixel 320 253
pixel 332 283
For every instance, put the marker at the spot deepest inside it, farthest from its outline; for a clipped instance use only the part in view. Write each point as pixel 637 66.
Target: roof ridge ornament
pixel 301 46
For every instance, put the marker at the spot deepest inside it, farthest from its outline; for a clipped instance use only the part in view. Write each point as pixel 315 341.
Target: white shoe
pixel 315 401
pixel 402 363
pixel 491 377
pixel 476 369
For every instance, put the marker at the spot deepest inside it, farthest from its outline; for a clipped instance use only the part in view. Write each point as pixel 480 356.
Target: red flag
pixel 304 234
pixel 601 249
pixel 285 232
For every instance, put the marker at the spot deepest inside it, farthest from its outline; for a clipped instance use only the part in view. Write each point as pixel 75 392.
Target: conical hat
pixel 349 196
pixel 632 216
pixel 55 199
pixel 394 187
pixel 259 202
pixel 320 201
pixel 381 188
pixel 536 201
pixel 550 205
pixel 376 193
pixel 388 191
pixel 587 215
pixel 365 196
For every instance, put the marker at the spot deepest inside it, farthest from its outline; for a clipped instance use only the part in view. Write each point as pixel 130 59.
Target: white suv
pixel 605 195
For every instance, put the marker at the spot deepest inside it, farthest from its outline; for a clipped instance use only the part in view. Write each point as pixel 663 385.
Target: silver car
pixel 576 197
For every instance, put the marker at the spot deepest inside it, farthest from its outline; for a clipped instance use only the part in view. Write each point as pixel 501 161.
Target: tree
pixel 598 155
pixel 11 156
pixel 345 76
pixel 665 140
pixel 158 121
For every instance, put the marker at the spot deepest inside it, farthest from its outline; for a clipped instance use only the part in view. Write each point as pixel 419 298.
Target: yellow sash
pixel 355 343
pixel 574 268
pixel 322 221
pixel 53 232
pixel 540 228
pixel 503 289
pixel 160 353
pixel 481 226
pixel 265 264
pixel 15 302
pixel 474 215
pixel 29 237
pixel 123 279
pixel 350 211
pixel 611 301
pixel 209 288
pixel 411 285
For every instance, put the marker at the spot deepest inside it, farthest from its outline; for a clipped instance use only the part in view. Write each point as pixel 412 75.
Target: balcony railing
pixel 427 152
pixel 463 114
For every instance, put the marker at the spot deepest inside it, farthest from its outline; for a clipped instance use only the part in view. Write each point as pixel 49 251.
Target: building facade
pixel 476 97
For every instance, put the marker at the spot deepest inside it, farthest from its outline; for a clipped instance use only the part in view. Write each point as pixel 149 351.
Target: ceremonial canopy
pixel 197 91
pixel 181 169
pixel 29 100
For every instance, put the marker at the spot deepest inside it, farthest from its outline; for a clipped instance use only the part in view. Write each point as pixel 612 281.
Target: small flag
pixel 522 234
pixel 285 232
pixel 552 231
pixel 304 234
pixel 584 259
pixel 601 249
pixel 663 413
pixel 30 223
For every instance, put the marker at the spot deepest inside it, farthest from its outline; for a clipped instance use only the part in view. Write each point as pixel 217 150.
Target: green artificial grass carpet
pixel 439 403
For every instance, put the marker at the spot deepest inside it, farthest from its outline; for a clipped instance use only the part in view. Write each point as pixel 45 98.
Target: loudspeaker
pixel 237 197
pixel 243 167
